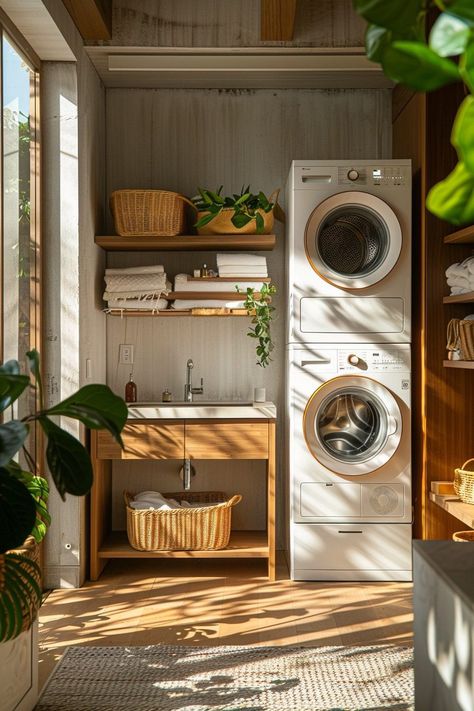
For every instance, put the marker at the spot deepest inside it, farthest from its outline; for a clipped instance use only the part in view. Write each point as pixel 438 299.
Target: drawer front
pixel 143 441
pixel 230 440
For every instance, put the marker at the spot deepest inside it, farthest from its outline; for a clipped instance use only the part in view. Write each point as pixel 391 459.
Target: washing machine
pixel 349 251
pixel 349 461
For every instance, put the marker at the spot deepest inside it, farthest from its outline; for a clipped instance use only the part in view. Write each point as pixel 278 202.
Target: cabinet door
pixel 229 440
pixel 144 441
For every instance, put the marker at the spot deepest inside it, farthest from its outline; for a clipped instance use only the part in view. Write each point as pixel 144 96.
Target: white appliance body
pixel 349 251
pixel 349 461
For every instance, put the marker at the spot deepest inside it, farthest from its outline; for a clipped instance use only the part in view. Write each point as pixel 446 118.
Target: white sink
pixel 201 410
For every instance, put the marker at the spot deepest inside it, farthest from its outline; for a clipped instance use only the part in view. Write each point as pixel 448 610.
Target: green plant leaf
pixel 449 35
pixel 12 384
pixel 417 66
pixel 97 407
pixel 462 136
pixel 242 199
pixel 17 512
pixel 204 220
pixel 34 366
pixel 38 488
pixel 240 219
pixel 453 198
pixel 377 39
pixel 260 223
pixel 12 436
pixel 397 15
pixel 205 196
pixel 462 8
pixel 466 66
pixel 20 594
pixel 216 197
pixel 68 460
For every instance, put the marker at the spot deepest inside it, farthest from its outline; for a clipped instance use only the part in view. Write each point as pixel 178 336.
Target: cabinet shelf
pixel 461 364
pixel 467 298
pixel 463 512
pixel 170 313
pixel 187 243
pixel 465 236
pixel 242 544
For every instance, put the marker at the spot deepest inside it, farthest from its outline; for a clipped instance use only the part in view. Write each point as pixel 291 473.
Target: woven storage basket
pixel 222 223
pixel 199 529
pixel 463 536
pixel 464 483
pixel 466 336
pixel 30 549
pixel 153 213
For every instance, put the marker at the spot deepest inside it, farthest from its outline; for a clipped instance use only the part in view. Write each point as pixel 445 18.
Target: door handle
pixel 304 363
pixel 350 531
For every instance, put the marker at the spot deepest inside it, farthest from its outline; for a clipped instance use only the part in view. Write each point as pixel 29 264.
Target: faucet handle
pixel 190 363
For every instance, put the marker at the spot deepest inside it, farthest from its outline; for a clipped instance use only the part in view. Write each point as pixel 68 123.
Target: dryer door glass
pixel 352 425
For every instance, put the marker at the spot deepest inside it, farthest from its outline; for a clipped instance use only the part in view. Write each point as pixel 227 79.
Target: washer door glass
pixel 353 239
pixel 352 425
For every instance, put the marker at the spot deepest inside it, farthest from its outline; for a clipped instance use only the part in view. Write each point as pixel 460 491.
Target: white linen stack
pixel 137 288
pixel 146 500
pixel 241 265
pixel 183 283
pixel 460 276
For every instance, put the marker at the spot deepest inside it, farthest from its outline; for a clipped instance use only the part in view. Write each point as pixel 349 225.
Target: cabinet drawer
pixel 229 440
pixel 143 441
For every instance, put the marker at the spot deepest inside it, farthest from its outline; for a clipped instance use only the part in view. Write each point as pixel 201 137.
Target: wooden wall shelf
pixel 465 236
pixel 455 507
pixel 461 364
pixel 467 298
pixel 187 243
pixel 209 313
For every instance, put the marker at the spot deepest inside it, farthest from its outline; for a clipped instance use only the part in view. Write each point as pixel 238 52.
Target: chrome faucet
pixel 189 391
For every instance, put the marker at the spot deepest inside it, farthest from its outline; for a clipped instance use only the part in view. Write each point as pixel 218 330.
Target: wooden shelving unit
pixel 455 507
pixel 464 236
pixel 187 243
pixel 170 313
pixel 467 298
pixel 462 364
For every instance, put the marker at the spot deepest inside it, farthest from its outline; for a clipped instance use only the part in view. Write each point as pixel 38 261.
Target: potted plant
pixel 260 309
pixel 245 213
pixel 24 517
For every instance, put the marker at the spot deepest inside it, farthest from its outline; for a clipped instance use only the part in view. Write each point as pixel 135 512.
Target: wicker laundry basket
pixel 152 213
pixel 466 337
pixel 463 536
pixel 464 483
pixel 199 529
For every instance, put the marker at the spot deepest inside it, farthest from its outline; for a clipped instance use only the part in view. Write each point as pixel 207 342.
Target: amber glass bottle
pixel 130 391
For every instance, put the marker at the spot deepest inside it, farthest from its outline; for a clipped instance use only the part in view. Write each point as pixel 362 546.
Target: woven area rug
pixel 168 678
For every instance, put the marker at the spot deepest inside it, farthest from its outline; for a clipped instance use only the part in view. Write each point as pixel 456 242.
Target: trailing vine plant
pixel 396 39
pixel 261 310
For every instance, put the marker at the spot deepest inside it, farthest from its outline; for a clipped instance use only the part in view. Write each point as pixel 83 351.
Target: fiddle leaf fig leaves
pixel 453 198
pixel 17 512
pixel 12 437
pixel 462 136
pixel 461 8
pixel 396 15
pixel 12 384
pixel 417 66
pixel 68 460
pixel 449 35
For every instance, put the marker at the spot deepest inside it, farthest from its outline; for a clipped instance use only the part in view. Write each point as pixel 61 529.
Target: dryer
pixel 349 461
pixel 349 251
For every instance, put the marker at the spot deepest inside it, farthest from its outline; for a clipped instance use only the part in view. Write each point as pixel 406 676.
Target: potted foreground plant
pixel 24 516
pixel 245 213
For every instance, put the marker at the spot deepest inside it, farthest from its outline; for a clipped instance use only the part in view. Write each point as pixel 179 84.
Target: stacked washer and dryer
pixel 348 379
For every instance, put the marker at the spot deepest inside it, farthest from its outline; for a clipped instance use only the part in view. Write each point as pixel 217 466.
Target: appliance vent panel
pixel 382 500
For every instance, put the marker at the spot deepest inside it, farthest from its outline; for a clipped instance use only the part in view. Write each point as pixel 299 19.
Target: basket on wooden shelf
pixel 222 224
pixel 199 529
pixel 464 483
pixel 466 337
pixel 463 536
pixel 152 213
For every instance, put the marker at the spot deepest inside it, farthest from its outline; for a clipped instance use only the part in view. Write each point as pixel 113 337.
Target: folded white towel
pixel 154 500
pixel 181 283
pixel 135 282
pixel 461 281
pixel 151 269
pixel 138 304
pixel 454 270
pixel 457 290
pixel 232 259
pixel 243 272
pixel 183 304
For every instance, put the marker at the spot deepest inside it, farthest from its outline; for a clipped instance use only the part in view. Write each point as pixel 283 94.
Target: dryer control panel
pixel 359 359
pixel 393 175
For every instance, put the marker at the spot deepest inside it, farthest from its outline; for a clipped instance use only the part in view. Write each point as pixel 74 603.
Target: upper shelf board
pixel 237 68
pixel 187 243
pixel 464 236
pixel 467 298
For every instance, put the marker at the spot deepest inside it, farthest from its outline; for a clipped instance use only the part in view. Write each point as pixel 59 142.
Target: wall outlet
pixel 125 354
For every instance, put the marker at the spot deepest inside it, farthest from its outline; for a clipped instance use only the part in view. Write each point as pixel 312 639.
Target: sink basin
pixel 201 410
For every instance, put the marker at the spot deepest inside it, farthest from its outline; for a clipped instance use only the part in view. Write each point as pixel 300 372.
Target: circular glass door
pixel 353 239
pixel 352 425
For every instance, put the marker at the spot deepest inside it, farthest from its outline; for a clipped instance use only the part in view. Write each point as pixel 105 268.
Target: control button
pixel 353 359
pixel 353 174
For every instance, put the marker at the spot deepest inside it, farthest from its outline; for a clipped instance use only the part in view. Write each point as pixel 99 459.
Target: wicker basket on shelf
pixel 463 536
pixel 199 529
pixel 464 483
pixel 152 213
pixel 466 337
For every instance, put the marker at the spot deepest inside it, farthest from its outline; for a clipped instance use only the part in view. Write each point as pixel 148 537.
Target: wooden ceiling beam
pixel 93 18
pixel 277 20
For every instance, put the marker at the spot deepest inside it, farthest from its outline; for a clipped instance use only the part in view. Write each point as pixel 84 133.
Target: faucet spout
pixel 189 391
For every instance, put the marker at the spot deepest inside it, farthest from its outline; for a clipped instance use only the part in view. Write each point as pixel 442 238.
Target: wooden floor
pixel 200 602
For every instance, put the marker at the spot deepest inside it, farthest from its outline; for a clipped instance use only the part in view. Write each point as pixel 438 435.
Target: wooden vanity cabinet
pixel 180 439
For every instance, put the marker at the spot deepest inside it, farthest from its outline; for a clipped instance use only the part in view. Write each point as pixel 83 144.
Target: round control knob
pixel 353 359
pixel 353 174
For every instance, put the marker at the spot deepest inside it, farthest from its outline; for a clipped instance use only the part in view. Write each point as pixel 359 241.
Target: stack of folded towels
pixel 136 288
pixel 460 276
pixel 241 265
pixel 146 500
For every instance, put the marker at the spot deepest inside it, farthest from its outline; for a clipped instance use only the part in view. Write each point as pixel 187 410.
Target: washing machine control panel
pixel 378 360
pixel 392 176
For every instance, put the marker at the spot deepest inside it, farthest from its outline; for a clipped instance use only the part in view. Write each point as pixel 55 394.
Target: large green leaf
pixel 466 66
pixel 377 39
pixel 38 488
pixel 449 35
pixel 68 460
pixel 97 407
pixel 17 512
pixel 462 136
pixel 12 436
pixel 12 383
pixel 20 594
pixel 453 198
pixel 461 8
pixel 397 15
pixel 417 66
pixel 240 219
